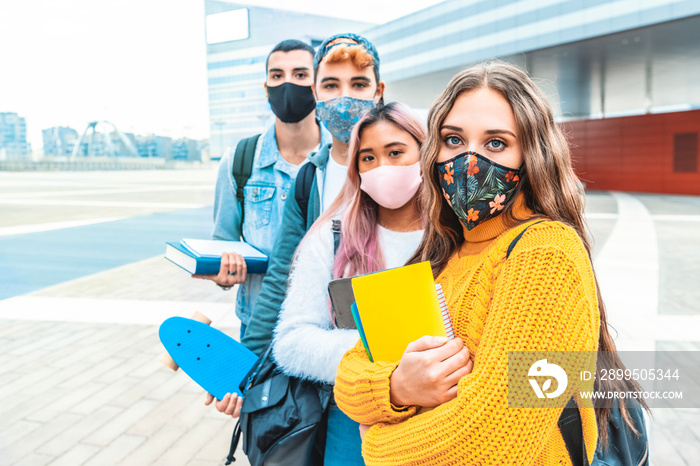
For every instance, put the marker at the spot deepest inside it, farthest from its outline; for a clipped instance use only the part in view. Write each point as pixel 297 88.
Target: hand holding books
pixel 233 271
pixel 227 263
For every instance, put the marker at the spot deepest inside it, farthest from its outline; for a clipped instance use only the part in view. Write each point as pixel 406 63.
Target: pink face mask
pixel 392 186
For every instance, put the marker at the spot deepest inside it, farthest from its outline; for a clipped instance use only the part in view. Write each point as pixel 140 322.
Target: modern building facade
pixel 59 140
pixel 13 137
pixel 239 38
pixel 155 146
pixel 621 74
pixel 186 149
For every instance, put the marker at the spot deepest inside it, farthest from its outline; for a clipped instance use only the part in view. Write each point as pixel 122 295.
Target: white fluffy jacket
pixel 305 343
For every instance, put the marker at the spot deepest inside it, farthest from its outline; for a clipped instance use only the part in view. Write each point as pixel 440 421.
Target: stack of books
pixel 203 257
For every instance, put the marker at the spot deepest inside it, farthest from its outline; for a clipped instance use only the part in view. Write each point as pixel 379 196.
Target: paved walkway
pixel 81 381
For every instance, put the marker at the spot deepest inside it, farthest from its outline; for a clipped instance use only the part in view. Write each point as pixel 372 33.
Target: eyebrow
pixel 450 127
pixel 396 143
pixel 488 131
pixel 361 78
pixel 329 78
pixel 500 131
pixel 280 70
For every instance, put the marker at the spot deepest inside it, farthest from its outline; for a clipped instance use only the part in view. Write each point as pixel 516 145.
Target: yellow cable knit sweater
pixel 543 298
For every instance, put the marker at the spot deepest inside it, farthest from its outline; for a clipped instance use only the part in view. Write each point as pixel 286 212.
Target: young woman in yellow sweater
pixel 495 163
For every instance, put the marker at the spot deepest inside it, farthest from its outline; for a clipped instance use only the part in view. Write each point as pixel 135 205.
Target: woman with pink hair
pixel 381 227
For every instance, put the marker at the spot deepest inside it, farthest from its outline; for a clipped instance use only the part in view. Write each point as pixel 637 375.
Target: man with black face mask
pixel 254 212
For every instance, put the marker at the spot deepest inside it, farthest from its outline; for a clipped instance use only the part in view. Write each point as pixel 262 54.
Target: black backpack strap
pixel 235 438
pixel 243 166
pixel 335 228
pixel 572 431
pixel 302 187
pixel 517 238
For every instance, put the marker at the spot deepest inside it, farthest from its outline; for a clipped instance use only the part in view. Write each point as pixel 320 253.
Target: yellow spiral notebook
pixel 398 306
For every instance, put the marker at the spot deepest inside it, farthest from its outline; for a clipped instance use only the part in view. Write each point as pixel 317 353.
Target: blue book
pixel 203 257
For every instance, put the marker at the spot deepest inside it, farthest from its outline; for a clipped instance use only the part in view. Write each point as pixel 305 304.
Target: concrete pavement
pixel 81 383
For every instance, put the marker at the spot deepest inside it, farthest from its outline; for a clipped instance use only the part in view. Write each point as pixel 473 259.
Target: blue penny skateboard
pixel 211 358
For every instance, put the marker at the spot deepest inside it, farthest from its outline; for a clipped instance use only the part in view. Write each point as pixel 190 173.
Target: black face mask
pixel 291 103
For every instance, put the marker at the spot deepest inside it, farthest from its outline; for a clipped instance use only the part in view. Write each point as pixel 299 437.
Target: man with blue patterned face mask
pixel 346 84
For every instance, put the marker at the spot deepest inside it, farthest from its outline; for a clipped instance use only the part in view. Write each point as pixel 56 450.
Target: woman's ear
pixel 380 92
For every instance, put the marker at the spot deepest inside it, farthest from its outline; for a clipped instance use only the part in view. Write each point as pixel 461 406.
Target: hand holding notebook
pixel 429 372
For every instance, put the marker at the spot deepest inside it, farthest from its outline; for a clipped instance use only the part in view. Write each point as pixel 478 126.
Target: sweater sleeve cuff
pixel 379 386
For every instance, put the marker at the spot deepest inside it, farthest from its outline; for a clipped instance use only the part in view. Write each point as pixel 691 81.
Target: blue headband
pixel 361 41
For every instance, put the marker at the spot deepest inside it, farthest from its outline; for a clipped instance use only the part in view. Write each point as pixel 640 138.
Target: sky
pixel 140 64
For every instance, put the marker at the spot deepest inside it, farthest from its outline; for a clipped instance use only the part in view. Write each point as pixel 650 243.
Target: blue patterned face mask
pixel 341 114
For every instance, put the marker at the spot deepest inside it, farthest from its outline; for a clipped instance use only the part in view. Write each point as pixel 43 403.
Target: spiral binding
pixel 445 312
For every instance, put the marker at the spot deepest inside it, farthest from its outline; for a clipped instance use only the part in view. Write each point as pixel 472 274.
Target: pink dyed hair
pixel 359 250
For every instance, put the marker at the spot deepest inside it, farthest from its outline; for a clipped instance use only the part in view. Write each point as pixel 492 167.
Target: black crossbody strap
pixel 517 238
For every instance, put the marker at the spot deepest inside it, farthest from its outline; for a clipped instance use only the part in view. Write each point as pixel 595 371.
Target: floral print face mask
pixel 341 114
pixel 476 188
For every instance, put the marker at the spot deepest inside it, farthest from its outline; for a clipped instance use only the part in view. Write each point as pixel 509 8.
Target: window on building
pixel 685 152
pixel 227 26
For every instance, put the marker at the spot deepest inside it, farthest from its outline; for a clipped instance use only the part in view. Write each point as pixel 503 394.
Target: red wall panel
pixel 632 153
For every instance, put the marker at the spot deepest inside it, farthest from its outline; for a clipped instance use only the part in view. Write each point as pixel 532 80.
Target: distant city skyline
pixel 140 65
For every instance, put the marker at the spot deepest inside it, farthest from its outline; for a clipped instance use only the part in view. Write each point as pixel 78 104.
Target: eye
pixel 496 144
pixel 360 85
pixel 302 75
pixel 367 158
pixel 395 153
pixel 452 141
pixel 330 86
pixel 276 75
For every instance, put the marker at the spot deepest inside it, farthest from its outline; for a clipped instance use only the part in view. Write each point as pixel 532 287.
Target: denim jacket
pixel 270 184
pixel 294 226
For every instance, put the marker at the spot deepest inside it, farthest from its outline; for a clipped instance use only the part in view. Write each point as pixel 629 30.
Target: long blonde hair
pixel 550 187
